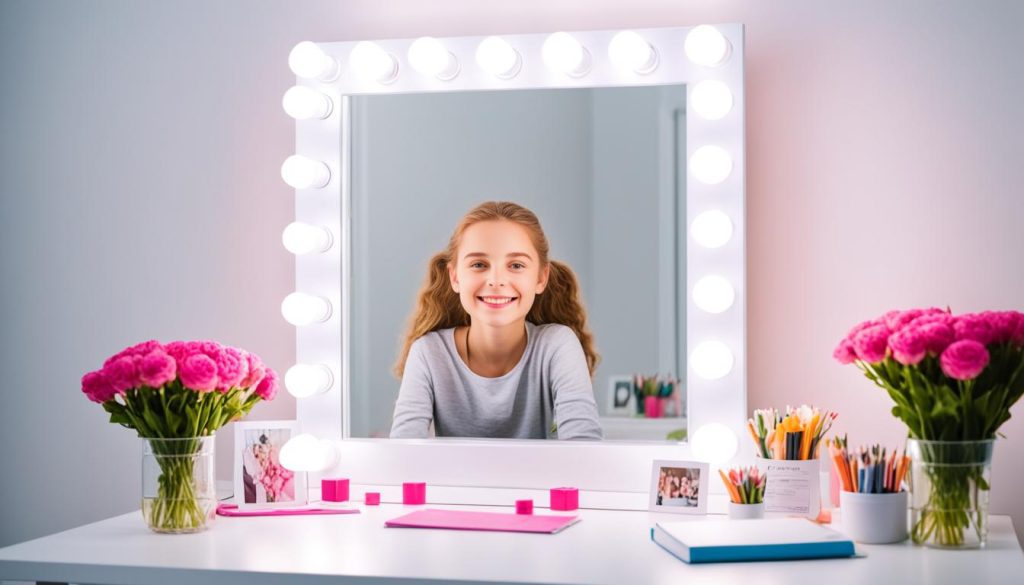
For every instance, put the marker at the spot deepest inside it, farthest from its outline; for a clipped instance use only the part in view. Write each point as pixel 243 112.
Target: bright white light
pixel 430 57
pixel 369 61
pixel 304 380
pixel 305 452
pixel 495 56
pixel 308 60
pixel 713 294
pixel 711 99
pixel 302 238
pixel 564 54
pixel 303 309
pixel 711 164
pixel 305 173
pixel 711 360
pixel 714 443
pixel 628 50
pixel 712 229
pixel 706 46
pixel 303 103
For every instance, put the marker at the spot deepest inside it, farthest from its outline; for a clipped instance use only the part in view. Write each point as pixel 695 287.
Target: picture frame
pixel 679 487
pixel 261 482
pixel 620 395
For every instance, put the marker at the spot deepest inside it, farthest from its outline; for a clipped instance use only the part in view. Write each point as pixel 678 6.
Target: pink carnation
pixel 973 327
pixel 211 349
pixel 862 326
pixel 179 350
pixel 908 346
pixel 232 368
pixel 137 350
pixel 97 388
pixel 267 388
pixel 937 335
pixel 1003 324
pixel 844 352
pixel 157 369
pixel 871 343
pixel 199 373
pixel 122 373
pixel 964 359
pixel 256 371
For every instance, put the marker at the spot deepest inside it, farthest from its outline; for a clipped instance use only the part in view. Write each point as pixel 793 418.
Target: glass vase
pixel 178 485
pixel 949 488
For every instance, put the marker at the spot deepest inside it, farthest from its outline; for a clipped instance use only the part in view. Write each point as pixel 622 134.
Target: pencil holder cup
pixel 746 511
pixel 874 518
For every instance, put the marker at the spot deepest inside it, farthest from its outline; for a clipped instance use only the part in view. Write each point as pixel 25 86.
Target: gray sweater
pixel 550 383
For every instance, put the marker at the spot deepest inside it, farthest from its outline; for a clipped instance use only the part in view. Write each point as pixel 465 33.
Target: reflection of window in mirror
pixel 598 166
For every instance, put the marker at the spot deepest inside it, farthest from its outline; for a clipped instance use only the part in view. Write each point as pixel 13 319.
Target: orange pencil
pixel 853 474
pixel 904 464
pixel 734 494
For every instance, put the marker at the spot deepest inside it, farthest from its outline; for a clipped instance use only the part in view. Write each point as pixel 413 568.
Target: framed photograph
pixel 260 479
pixel 679 487
pixel 620 395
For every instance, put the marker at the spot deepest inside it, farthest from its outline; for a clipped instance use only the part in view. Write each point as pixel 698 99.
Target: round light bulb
pixel 309 61
pixel 305 173
pixel 711 360
pixel 711 164
pixel 712 229
pixel 563 53
pixel 303 103
pixel 304 452
pixel 706 46
pixel 714 443
pixel 711 99
pixel 304 309
pixel 430 57
pixel 369 61
pixel 495 56
pixel 303 380
pixel 713 294
pixel 628 50
pixel 301 238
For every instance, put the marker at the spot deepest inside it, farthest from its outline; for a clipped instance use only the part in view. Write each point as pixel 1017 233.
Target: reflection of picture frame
pixel 679 487
pixel 260 479
pixel 620 395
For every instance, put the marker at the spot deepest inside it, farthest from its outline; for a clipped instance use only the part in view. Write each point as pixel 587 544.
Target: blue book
pixel 721 541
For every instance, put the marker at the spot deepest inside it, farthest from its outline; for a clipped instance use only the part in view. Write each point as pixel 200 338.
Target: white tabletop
pixel 612 547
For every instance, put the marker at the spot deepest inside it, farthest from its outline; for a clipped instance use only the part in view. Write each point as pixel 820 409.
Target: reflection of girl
pixel 498 345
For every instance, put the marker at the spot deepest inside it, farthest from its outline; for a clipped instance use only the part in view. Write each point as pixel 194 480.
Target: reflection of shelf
pixel 639 428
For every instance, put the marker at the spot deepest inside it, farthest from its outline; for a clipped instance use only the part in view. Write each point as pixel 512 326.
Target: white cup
pixel 745 511
pixel 874 518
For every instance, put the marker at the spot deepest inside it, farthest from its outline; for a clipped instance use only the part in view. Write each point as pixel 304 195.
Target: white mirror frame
pixel 716 408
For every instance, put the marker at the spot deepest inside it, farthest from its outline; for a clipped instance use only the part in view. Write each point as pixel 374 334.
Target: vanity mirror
pixel 627 144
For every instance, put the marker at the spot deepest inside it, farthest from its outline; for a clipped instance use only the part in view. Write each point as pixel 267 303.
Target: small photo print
pixel 620 395
pixel 260 479
pixel 679 487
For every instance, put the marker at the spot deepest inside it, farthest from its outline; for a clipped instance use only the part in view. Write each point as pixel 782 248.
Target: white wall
pixel 139 195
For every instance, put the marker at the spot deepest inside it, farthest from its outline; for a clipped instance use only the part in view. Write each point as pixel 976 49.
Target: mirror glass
pixel 602 168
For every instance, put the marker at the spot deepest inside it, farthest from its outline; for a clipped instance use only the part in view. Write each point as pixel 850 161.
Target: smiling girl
pixel 498 345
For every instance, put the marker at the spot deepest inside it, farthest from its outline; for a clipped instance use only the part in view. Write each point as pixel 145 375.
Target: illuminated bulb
pixel 302 238
pixel 303 103
pixel 711 229
pixel 714 443
pixel 713 294
pixel 369 61
pixel 706 46
pixel 711 164
pixel 711 360
pixel 303 380
pixel 305 173
pixel 711 99
pixel 308 60
pixel 430 57
pixel 305 452
pixel 628 50
pixel 495 56
pixel 304 309
pixel 563 53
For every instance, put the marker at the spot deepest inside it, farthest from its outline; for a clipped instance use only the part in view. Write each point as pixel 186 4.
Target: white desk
pixel 607 547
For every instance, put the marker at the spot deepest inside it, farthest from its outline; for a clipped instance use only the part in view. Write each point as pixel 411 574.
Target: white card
pixel 793 488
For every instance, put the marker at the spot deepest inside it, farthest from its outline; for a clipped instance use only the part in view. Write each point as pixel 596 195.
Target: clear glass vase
pixel 178 485
pixel 949 488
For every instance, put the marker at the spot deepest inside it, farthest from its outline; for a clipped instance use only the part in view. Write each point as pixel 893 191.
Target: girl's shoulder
pixel 432 341
pixel 554 334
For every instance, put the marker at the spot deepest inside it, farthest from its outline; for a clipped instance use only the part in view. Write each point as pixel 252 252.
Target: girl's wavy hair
pixel 438 306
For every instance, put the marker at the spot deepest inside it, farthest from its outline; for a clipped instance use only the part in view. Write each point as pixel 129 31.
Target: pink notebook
pixel 232 510
pixel 494 521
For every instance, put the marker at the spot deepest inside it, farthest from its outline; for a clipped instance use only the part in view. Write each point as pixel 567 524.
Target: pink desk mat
pixel 232 510
pixel 493 521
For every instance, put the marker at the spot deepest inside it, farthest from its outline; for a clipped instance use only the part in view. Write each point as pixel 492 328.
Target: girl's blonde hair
pixel 439 307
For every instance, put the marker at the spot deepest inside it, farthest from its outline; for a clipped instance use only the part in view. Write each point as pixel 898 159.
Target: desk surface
pixel 612 547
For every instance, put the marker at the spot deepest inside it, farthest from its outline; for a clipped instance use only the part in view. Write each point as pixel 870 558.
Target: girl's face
pixel 497 273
